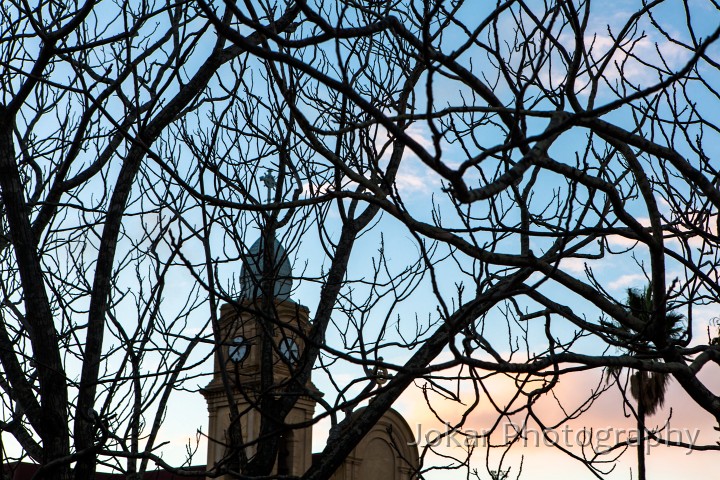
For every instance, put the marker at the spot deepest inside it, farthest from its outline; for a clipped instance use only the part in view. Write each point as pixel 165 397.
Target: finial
pixel 269 182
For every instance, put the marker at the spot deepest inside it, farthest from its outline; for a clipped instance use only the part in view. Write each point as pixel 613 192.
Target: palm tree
pixel 647 388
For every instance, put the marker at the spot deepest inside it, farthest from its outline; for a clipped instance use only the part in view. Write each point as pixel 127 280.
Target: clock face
pixel 239 350
pixel 289 350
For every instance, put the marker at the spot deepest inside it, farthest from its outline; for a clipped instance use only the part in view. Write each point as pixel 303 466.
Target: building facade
pixel 256 335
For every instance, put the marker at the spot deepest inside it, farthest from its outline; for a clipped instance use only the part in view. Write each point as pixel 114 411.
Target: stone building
pixel 386 452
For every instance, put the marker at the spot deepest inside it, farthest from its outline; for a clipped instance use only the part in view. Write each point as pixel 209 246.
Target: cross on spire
pixel 269 182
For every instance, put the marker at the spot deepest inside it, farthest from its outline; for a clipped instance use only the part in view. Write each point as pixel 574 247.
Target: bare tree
pixel 555 136
pixel 88 352
pixel 547 139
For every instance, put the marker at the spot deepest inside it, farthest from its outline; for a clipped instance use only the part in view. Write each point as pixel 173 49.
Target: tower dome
pixel 252 272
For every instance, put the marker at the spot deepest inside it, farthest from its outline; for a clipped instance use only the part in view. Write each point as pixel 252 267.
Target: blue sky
pixel 421 191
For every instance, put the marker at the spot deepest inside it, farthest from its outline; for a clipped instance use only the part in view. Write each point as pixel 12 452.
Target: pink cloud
pixel 605 418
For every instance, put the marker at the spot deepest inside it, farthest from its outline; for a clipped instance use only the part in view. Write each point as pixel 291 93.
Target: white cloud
pixel 620 241
pixel 638 66
pixel 421 135
pixel 627 280
pixel 317 190
pixel 416 181
pixel 575 265
pixel 408 182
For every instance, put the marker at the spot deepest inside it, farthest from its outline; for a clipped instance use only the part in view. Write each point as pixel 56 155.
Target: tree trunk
pixel 50 418
pixel 641 439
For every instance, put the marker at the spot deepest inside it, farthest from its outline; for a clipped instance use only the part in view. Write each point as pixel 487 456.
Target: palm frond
pixel 648 388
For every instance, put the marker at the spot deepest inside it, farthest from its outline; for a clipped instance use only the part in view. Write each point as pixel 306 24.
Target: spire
pixel 252 272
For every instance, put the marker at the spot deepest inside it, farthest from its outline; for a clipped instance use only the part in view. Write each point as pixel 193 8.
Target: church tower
pixel 280 325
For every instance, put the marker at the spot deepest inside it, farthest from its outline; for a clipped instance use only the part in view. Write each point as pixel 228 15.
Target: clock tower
pixel 250 330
